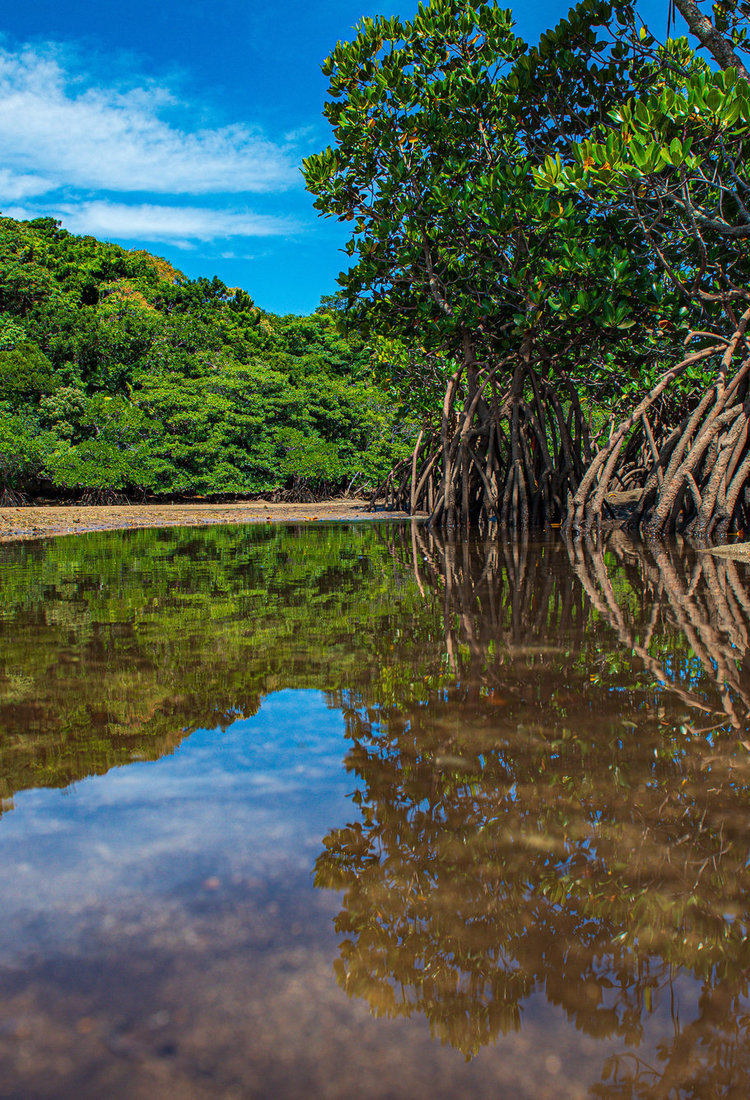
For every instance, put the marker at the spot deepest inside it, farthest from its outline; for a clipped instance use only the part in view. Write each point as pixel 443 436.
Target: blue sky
pixel 180 127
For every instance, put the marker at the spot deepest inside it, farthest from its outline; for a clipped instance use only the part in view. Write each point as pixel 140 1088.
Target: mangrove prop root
pixel 510 460
pixel 507 459
pixel 691 478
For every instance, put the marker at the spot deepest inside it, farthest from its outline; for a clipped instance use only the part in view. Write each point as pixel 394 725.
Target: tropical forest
pixel 545 305
pixel 120 377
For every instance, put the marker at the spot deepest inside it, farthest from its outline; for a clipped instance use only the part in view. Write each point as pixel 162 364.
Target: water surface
pixel 347 810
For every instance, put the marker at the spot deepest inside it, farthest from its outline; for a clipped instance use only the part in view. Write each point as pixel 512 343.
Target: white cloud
pixel 55 132
pixel 14 186
pixel 177 225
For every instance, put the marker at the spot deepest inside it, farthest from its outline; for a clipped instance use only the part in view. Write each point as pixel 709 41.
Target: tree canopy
pixel 527 222
pixel 118 374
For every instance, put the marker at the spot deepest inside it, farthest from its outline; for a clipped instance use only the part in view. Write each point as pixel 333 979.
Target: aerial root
pixel 691 479
pixel 522 457
pixel 500 458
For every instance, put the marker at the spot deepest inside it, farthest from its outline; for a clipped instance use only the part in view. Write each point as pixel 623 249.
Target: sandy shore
pixel 738 550
pixel 40 522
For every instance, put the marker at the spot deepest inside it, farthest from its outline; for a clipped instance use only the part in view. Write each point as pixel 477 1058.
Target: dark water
pixel 346 811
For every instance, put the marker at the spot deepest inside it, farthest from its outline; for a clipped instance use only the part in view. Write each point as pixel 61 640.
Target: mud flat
pixel 738 550
pixel 39 522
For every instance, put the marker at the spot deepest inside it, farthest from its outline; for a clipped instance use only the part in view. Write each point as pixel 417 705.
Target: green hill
pixel 119 374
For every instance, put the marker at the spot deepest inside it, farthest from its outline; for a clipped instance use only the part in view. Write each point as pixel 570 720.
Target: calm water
pixel 347 811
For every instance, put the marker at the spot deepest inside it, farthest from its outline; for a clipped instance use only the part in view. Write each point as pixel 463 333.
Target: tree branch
pixel 710 38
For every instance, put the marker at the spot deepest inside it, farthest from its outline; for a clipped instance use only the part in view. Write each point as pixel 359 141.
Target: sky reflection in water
pixel 249 799
pixel 520 793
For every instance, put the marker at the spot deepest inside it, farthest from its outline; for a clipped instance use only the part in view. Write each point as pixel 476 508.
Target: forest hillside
pixel 118 375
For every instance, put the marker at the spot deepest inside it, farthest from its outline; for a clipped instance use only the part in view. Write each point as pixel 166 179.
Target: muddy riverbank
pixel 41 521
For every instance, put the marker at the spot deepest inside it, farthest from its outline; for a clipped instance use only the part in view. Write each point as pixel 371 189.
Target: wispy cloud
pixel 15 185
pixel 178 225
pixel 90 153
pixel 57 130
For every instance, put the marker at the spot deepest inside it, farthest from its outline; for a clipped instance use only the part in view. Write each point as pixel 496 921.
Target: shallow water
pixel 344 810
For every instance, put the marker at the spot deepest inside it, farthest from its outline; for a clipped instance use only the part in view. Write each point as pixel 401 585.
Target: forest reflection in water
pixel 547 745
pixel 566 814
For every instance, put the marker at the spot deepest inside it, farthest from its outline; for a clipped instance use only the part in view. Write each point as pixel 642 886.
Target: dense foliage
pixel 548 260
pixel 537 234
pixel 671 163
pixel 118 373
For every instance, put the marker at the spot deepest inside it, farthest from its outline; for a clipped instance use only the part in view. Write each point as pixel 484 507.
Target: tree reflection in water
pixel 566 818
